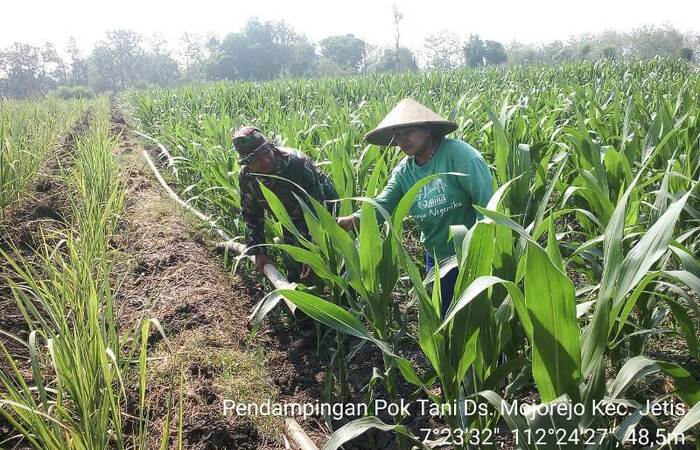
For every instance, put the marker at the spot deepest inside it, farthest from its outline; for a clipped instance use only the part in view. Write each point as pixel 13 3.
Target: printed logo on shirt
pixel 432 194
pixel 432 201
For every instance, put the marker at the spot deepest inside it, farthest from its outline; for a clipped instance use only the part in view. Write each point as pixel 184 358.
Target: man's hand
pixel 305 273
pixel 260 261
pixel 347 222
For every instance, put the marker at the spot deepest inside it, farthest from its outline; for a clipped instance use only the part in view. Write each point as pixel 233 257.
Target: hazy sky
pixel 532 21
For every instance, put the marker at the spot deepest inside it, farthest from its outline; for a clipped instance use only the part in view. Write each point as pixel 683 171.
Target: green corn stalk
pixel 600 160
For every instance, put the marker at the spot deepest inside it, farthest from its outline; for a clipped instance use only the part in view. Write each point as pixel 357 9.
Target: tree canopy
pixel 347 51
pixel 263 50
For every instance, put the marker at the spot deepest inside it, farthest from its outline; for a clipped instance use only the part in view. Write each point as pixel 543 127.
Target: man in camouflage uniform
pixel 260 157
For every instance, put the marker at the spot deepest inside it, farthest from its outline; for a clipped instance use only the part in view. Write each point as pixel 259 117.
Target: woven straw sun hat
pixel 408 113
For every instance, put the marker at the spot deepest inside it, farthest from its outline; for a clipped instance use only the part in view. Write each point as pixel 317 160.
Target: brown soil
pixel 165 270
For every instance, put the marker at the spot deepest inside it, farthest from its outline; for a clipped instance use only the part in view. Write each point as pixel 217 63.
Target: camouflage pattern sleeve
pixel 317 183
pixel 253 212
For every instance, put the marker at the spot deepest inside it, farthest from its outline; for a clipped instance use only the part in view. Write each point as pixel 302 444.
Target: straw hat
pixel 406 114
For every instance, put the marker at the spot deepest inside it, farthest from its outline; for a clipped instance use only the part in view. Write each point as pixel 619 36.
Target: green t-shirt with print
pixel 446 200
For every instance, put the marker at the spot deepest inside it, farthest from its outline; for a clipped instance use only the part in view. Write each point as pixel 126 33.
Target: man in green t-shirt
pixel 446 200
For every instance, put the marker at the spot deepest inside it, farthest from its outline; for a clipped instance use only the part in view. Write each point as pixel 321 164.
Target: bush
pixel 685 53
pixel 70 92
pixel 609 53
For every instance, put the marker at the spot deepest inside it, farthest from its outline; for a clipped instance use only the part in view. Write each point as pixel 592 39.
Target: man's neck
pixel 427 154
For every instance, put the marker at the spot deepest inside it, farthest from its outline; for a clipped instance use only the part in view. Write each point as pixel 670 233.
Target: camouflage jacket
pixel 291 165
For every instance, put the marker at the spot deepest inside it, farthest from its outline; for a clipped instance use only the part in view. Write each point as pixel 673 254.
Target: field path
pixel 166 270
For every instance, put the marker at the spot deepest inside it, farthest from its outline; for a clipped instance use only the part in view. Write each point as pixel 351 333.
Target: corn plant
pixel 586 250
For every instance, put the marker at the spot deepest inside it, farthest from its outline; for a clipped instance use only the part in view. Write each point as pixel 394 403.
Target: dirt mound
pixel 166 271
pixel 81 126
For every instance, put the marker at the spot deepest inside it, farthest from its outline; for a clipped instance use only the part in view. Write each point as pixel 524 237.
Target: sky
pixel 534 21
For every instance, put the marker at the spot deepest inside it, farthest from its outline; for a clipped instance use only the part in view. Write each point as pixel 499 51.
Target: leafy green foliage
pixel 586 248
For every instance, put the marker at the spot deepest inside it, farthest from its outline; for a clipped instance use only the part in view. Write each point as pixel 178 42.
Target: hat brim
pixel 383 136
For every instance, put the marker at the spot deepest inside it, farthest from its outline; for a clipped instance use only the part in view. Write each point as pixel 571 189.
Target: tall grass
pixel 29 131
pixel 76 397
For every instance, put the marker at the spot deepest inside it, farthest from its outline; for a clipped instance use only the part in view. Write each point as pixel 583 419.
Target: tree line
pixel 264 50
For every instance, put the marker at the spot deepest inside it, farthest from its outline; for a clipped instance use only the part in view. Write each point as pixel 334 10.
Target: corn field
pixel 575 316
pixel 586 253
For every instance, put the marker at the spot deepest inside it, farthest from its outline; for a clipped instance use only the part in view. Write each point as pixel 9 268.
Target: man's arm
pixel 252 209
pixel 387 199
pixel 314 181
pixel 478 183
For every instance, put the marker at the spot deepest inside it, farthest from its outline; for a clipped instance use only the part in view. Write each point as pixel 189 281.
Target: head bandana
pixel 249 142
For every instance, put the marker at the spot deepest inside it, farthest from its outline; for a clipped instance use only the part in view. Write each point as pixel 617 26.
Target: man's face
pixel 412 140
pixel 264 162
